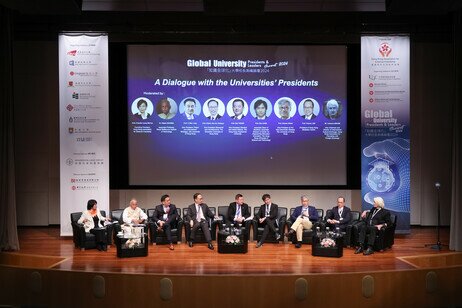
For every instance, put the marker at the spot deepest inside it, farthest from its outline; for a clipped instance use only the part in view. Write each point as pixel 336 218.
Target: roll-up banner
pixel 385 125
pixel 84 124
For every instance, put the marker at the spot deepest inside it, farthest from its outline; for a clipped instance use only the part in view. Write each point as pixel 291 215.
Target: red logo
pixel 385 49
pixel 371 100
pixel 69 107
pixel 72 180
pixel 73 188
pixel 371 85
pixel 71 84
pixel 72 53
pixel 71 73
pixel 371 92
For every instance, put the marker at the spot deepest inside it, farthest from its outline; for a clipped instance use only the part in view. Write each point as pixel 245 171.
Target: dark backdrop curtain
pixel 8 223
pixel 455 239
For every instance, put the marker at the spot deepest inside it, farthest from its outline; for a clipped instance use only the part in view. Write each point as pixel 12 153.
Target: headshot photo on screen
pixel 284 108
pixel 190 108
pixel 142 108
pixel 237 108
pixel 261 108
pixel 166 108
pixel 213 109
pixel 332 109
pixel 308 109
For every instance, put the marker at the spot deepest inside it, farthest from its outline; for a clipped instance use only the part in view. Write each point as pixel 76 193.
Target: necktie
pixel 267 210
pixel 199 213
pixel 340 212
pixel 238 211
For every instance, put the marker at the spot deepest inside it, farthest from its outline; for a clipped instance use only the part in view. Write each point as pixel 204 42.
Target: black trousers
pixel 269 224
pixel 363 231
pixel 205 228
pixel 100 235
pixel 168 231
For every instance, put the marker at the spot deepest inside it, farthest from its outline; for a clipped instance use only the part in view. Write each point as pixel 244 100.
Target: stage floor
pixel 408 252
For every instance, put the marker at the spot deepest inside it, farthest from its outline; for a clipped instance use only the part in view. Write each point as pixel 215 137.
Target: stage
pixel 50 271
pixel 270 259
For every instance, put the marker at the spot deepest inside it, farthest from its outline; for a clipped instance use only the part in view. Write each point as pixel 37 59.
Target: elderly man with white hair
pixel 332 109
pixel 374 220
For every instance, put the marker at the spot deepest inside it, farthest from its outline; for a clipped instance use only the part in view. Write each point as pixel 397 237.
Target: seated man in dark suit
pixel 164 215
pixel 303 217
pixel 238 212
pixel 267 216
pixel 197 213
pixel 374 220
pixel 340 215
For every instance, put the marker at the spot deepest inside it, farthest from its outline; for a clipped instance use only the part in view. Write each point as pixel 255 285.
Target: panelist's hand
pixel 191 223
pixel 364 214
pixel 161 223
pixel 379 227
pixel 261 220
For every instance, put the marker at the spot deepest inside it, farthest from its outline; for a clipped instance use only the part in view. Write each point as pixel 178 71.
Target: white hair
pixel 379 201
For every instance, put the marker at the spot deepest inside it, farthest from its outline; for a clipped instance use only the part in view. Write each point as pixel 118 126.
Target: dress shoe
pixel 278 236
pixel 368 251
pixel 298 245
pixel 289 234
pixel 171 247
pixel 210 246
pixel 259 244
pixel 98 246
pixel 190 243
pixel 358 250
pixel 104 247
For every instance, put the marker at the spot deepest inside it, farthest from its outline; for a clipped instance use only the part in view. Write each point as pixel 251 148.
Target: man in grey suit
pixel 197 214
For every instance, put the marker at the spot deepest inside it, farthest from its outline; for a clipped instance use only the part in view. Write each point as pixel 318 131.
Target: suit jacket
pixel 90 224
pixel 186 117
pixel 235 118
pixel 192 213
pixel 313 214
pixel 273 215
pixel 346 215
pixel 232 211
pixel 171 216
pixel 216 118
pixel 380 217
pixel 312 117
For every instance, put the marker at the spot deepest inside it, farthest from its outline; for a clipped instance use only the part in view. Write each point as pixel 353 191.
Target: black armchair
pixel 307 236
pixel 200 238
pixel 281 221
pixel 384 239
pixel 351 233
pixel 223 214
pixel 82 239
pixel 157 237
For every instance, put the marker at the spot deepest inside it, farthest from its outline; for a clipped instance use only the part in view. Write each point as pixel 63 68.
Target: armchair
pixel 223 213
pixel 281 221
pixel 85 240
pixel 200 238
pixel 385 237
pixel 307 236
pixel 159 238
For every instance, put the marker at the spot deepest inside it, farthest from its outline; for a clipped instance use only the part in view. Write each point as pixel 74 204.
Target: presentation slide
pixel 236 115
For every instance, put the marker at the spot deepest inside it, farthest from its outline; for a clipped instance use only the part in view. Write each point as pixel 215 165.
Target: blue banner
pixel 385 125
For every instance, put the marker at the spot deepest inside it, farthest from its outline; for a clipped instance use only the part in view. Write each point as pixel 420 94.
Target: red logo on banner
pixel 73 188
pixel 71 84
pixel 72 53
pixel 385 49
pixel 371 85
pixel 71 73
pixel 371 100
pixel 371 92
pixel 69 107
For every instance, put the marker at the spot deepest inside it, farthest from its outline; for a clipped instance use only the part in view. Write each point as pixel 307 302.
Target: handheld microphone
pixel 437 185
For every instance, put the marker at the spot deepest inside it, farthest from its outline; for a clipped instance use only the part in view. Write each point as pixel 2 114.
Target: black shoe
pixel 289 234
pixel 278 236
pixel 259 244
pixel 98 246
pixel 298 245
pixel 104 247
pixel 190 243
pixel 368 251
pixel 358 250
pixel 210 246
